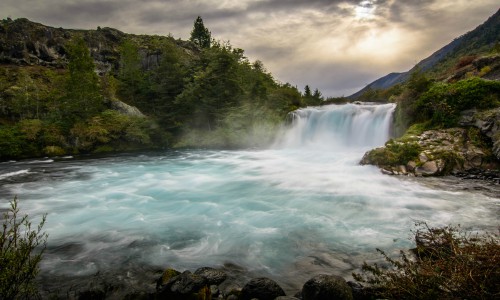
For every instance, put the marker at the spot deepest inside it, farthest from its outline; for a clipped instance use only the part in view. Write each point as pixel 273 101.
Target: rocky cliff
pixel 23 42
pixel 475 146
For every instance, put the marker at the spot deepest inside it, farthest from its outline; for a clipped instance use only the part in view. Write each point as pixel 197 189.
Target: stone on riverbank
pixel 326 287
pixel 262 289
pixel 433 153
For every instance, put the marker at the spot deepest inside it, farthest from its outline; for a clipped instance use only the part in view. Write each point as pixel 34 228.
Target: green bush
pixel 394 153
pixel 14 143
pixel 21 249
pixel 443 102
pixel 447 263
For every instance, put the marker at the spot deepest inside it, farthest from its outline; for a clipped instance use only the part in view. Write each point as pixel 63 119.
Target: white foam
pixel 13 174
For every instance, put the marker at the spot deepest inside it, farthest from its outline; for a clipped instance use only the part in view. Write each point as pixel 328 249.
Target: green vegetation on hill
pixel 59 91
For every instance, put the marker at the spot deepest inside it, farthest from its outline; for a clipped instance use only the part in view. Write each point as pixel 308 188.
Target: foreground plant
pixel 21 249
pixel 448 263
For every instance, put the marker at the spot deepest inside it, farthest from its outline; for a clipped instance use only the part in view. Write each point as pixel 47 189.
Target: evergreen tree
pixel 83 95
pixel 167 83
pixel 317 96
pixel 131 75
pixel 200 34
pixel 307 92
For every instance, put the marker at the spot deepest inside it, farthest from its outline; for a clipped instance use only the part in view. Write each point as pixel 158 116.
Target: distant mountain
pixel 475 42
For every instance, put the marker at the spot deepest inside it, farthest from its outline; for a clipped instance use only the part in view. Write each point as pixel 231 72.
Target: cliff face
pixel 23 42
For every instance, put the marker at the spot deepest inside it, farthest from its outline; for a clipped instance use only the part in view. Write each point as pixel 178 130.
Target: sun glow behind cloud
pixel 364 10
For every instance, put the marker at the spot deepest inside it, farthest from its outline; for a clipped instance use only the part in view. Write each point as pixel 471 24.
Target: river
pixel 302 207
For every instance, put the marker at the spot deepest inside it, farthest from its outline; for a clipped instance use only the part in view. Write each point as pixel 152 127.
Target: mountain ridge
pixel 448 52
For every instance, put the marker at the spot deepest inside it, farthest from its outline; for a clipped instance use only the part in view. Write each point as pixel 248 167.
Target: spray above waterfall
pixel 338 127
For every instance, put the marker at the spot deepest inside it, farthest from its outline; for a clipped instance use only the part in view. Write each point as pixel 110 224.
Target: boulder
pixel 262 289
pixel 326 287
pixel 126 109
pixel 229 287
pixel 183 285
pixel 166 276
pixel 212 276
pixel 187 283
pixel 427 169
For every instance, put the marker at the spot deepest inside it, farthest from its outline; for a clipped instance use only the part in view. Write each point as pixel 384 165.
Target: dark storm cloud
pixel 69 12
pixel 334 45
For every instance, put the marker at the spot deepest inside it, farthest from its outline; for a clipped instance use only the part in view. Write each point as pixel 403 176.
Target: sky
pixel 336 46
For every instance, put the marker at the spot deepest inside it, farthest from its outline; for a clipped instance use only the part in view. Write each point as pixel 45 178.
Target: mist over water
pixel 301 208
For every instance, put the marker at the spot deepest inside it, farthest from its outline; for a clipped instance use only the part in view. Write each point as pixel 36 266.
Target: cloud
pixel 334 45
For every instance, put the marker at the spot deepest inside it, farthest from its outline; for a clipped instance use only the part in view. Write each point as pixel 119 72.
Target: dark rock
pixel 92 295
pixel 359 292
pixel 262 289
pixel 183 285
pixel 214 291
pixel 187 283
pixel 326 287
pixel 230 287
pixel 139 296
pixel 213 276
pixel 165 278
pixel 286 298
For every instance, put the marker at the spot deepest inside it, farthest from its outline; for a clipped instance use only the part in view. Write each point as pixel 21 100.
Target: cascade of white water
pixel 338 126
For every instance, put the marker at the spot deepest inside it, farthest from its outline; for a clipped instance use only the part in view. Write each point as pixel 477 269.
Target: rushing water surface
pixel 305 206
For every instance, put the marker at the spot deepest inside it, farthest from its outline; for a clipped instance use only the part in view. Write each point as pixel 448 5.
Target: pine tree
pixel 307 92
pixel 200 34
pixel 83 97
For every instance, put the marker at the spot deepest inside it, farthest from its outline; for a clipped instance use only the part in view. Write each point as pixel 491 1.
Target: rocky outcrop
pixel 487 67
pixel 23 42
pixel 210 283
pixel 126 109
pixel 433 153
pixel 183 286
pixel 488 122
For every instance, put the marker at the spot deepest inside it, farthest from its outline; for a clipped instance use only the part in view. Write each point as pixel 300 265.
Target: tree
pixel 131 74
pixel 83 94
pixel 26 99
pixel 200 34
pixel 215 88
pixel 317 96
pixel 307 92
pixel 167 83
pixel 18 258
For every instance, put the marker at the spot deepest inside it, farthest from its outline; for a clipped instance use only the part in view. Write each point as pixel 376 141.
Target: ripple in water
pixel 302 208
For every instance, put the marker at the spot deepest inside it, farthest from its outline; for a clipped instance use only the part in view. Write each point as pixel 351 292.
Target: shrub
pixel 393 154
pixel 21 249
pixel 447 263
pixel 465 61
pixel 54 151
pixel 443 102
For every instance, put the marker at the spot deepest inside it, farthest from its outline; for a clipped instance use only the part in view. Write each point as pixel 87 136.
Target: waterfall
pixel 338 127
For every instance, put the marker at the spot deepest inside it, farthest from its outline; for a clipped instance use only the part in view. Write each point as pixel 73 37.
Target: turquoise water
pixel 299 208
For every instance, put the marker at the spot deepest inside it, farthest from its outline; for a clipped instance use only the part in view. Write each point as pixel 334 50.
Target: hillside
pixel 474 43
pixel 67 91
